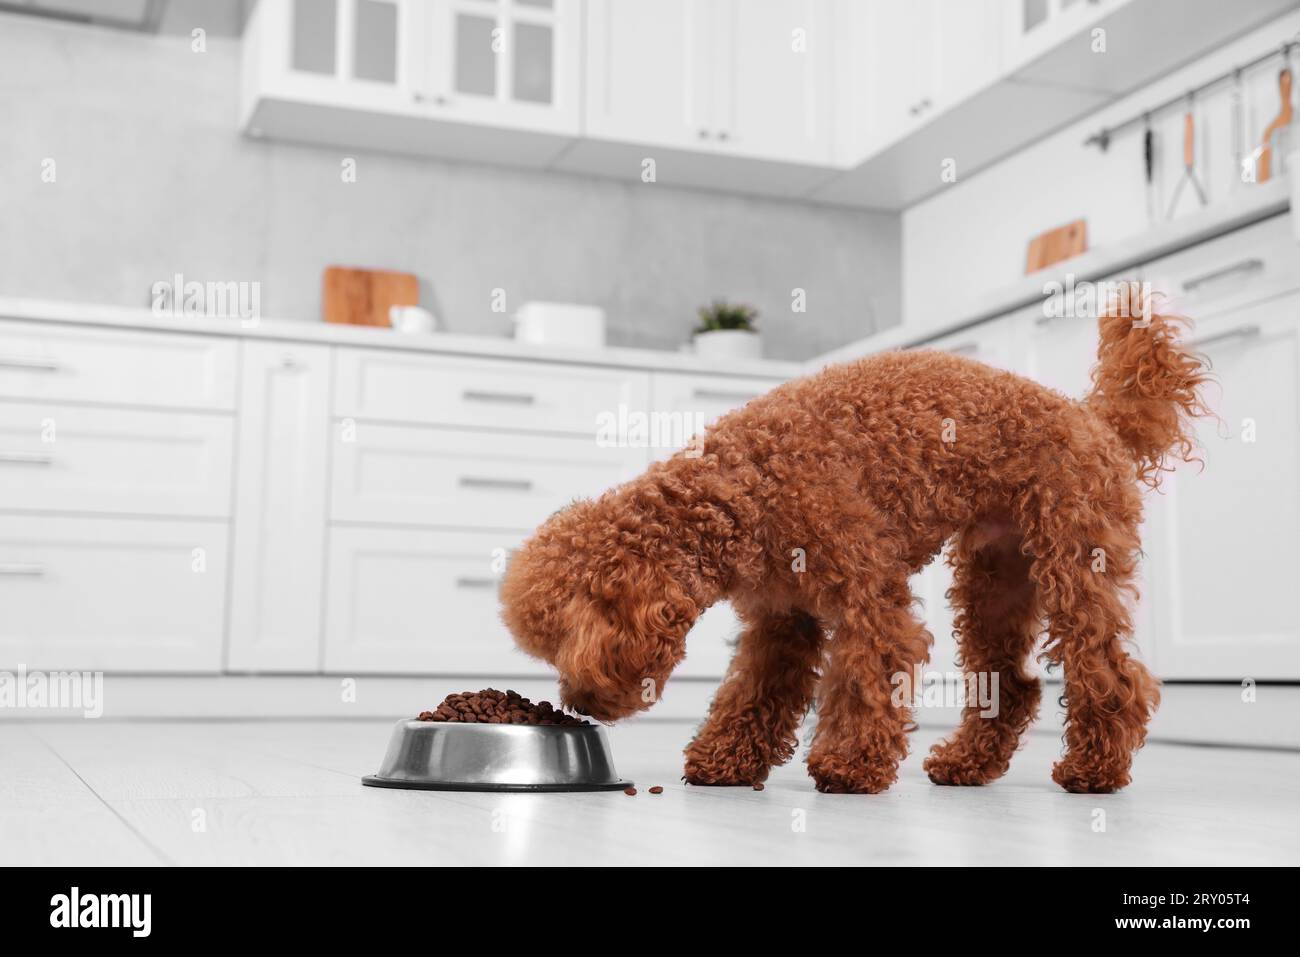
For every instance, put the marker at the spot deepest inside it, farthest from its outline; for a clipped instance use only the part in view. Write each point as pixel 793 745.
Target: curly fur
pixel 870 468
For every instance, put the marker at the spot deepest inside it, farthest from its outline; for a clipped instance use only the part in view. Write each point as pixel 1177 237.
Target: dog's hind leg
pixel 1083 570
pixel 864 701
pixel 755 715
pixel 997 620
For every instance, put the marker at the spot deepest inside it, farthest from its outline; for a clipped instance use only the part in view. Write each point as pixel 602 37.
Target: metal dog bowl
pixel 453 756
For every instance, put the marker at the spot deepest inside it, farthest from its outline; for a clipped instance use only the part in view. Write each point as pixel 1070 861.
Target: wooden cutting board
pixel 1055 245
pixel 361 297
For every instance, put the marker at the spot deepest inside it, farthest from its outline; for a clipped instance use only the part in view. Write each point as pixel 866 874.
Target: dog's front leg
pixel 864 701
pixel 755 715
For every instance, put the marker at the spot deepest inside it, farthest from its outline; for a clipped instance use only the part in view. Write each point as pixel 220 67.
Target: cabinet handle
pixel 703 134
pixel 1241 332
pixel 1246 266
pixel 290 363
pixel 511 398
pixel 723 135
pixel 26 458
pixel 965 349
pixel 29 362
pixel 724 395
pixel 21 569
pixel 469 582
pixel 514 485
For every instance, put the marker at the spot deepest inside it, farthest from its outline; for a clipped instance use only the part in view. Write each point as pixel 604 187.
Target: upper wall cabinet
pixel 715 91
pixel 515 63
pixel 493 80
pixel 931 83
pixel 871 103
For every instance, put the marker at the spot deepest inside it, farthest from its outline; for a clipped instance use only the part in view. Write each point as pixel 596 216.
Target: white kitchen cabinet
pixel 685 404
pixel 902 62
pixel 40 362
pixel 1032 28
pixel 1222 559
pixel 650 71
pixel 405 475
pixel 354 53
pixel 77 458
pixel 1240 268
pixel 280 508
pixel 486 80
pixel 394 386
pixel 509 63
pixel 773 93
pixel 736 78
pixel 108 594
pixel 409 601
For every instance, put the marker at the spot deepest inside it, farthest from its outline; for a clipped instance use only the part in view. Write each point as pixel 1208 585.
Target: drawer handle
pixel 724 395
pixel 33 363
pixel 21 569
pixel 1241 332
pixel 1246 266
pixel 467 582
pixel 509 398
pixel 26 458
pixel 514 485
pixel 965 349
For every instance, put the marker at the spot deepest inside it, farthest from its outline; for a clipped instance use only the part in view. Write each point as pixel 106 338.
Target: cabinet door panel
pixel 280 508
pixel 404 600
pixel 649 78
pixel 111 594
pixel 774 97
pixel 1223 561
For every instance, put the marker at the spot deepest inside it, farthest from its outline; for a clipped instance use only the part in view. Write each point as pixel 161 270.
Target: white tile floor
pixel 289 793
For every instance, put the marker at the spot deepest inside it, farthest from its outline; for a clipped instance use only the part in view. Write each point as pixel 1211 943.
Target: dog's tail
pixel 1146 384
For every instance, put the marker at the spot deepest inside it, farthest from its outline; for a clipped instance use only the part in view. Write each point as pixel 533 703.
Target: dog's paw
pixel 1079 778
pixel 713 771
pixel 948 766
pixel 834 775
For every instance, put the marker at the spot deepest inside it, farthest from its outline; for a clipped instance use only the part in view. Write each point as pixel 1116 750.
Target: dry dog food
pixel 656 790
pixel 490 706
pixel 630 792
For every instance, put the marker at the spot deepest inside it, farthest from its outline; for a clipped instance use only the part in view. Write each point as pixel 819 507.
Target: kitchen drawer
pixel 40 361
pixel 417 475
pixel 111 594
pixel 687 403
pixel 68 458
pixel 989 342
pixel 521 396
pixel 403 600
pixel 1246 266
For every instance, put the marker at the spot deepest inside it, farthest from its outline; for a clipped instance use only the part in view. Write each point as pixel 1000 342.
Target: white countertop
pixel 80 313
pixel 1249 206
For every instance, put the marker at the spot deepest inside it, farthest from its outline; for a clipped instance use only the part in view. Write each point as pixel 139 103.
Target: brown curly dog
pixel 870 468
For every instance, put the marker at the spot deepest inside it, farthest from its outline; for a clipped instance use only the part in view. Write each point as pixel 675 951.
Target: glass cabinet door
pixel 509 61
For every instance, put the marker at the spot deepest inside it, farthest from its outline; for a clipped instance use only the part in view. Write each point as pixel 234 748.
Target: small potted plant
pixel 726 331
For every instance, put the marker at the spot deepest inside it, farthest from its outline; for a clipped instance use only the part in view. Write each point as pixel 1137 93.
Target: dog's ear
pixel 622 645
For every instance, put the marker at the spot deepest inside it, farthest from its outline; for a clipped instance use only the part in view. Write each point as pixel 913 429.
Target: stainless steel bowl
pixel 450 756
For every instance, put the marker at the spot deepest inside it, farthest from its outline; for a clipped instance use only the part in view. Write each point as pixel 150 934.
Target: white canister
pixel 560 324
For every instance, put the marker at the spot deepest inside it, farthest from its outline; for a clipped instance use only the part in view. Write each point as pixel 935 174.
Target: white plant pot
pixel 729 344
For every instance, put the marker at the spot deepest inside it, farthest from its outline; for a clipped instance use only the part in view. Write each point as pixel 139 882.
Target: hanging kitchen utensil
pixel 1238 128
pixel 1149 168
pixel 1189 162
pixel 1275 131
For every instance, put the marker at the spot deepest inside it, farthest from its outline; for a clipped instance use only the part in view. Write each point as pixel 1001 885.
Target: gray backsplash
pixel 153 178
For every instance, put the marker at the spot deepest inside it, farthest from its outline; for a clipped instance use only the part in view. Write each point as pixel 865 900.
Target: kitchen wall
pixel 118 111
pixel 972 238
